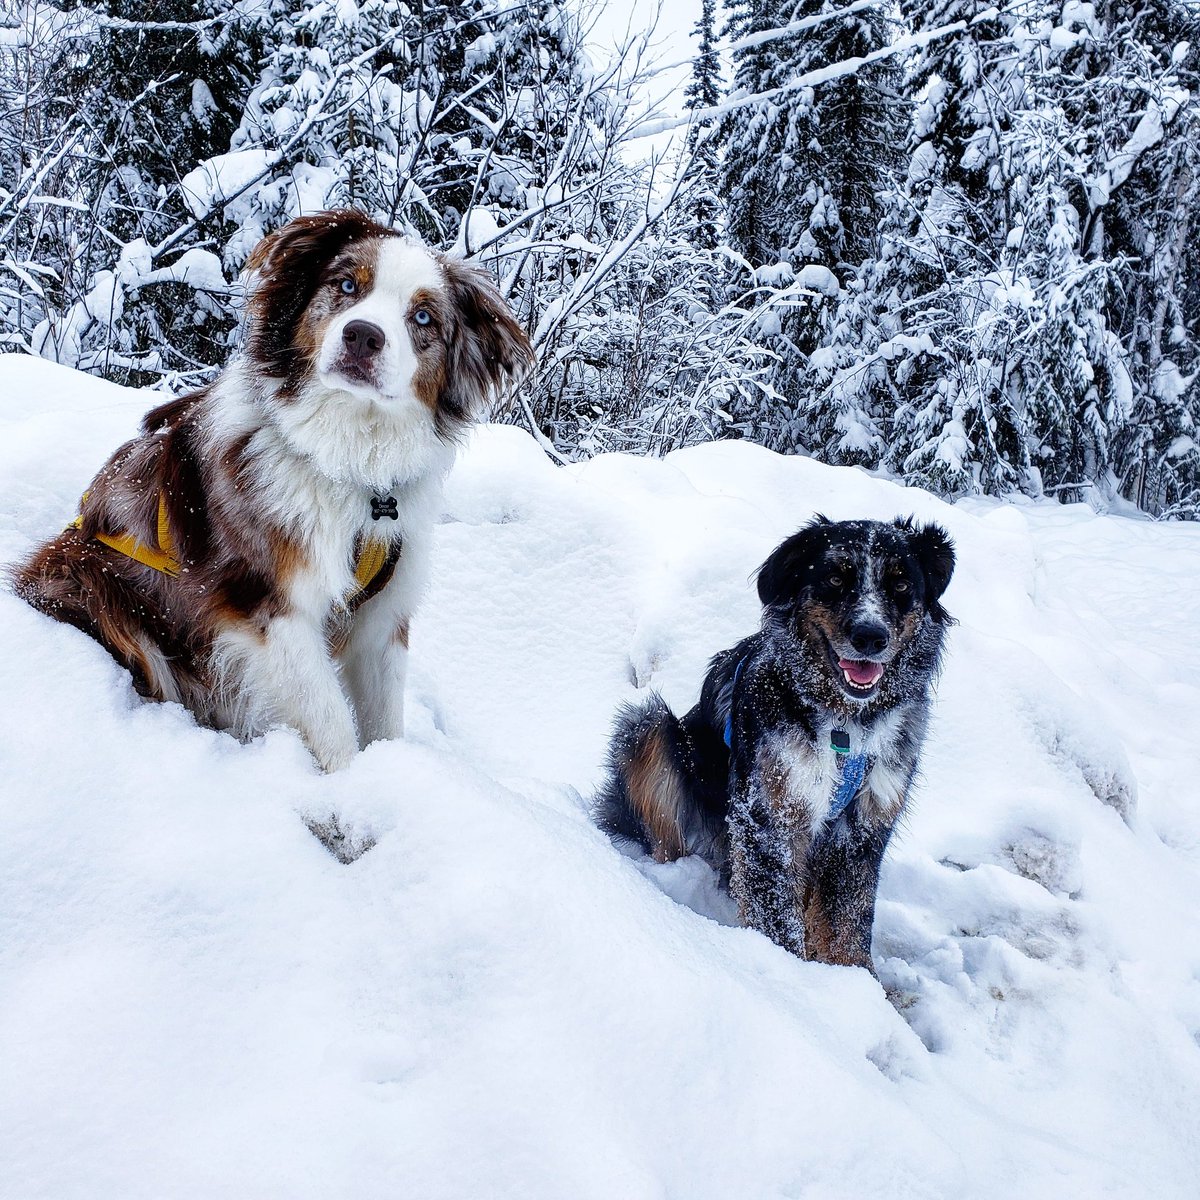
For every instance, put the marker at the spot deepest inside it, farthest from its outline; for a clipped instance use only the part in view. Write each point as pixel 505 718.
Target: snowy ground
pixel 197 1000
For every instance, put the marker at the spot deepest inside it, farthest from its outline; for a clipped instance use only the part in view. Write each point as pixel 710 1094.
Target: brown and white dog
pixel 222 555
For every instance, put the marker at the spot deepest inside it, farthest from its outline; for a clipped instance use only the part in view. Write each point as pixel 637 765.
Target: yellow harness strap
pixel 163 559
pixel 372 558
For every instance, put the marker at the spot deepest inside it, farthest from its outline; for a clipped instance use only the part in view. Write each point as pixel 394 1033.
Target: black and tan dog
pixel 791 772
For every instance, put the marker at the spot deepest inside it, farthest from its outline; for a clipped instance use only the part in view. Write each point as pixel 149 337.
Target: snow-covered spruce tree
pixel 802 165
pixel 326 123
pixel 1143 198
pixel 995 342
pixel 802 169
pixel 704 92
pixel 187 64
pixel 916 368
pixel 413 113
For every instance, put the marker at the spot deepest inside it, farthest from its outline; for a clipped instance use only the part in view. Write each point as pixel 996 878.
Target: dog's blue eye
pixel 349 287
pixel 422 317
pixel 900 586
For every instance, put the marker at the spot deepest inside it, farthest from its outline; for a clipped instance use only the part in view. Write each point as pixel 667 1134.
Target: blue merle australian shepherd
pixel 791 772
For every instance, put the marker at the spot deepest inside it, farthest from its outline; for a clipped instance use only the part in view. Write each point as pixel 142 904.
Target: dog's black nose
pixel 362 339
pixel 868 637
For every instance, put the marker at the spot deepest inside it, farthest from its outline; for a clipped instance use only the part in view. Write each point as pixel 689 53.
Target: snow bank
pixel 196 999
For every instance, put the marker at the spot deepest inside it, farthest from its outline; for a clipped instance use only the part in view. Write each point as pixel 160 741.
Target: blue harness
pixel 854 771
pixel 737 671
pixel 853 767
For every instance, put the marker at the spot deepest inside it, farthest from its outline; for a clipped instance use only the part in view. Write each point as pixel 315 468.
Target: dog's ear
pixel 490 347
pixel 286 268
pixel 787 569
pixel 935 552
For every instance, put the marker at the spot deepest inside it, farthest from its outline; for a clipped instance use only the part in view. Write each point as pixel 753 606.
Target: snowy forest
pixel 949 241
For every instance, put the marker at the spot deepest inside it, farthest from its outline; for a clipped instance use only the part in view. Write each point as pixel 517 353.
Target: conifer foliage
pixel 951 241
pixel 1012 333
pixel 704 93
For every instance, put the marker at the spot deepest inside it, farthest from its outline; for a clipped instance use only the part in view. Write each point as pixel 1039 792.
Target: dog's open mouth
pixel 860 675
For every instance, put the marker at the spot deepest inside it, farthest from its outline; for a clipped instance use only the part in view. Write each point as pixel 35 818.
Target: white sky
pixel 673 21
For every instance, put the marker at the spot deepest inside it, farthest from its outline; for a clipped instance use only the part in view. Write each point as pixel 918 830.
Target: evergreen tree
pixel 427 111
pixel 164 83
pixel 955 423
pixel 704 92
pixel 802 170
pixel 802 165
pixel 1143 206
pixel 1004 335
pixel 140 90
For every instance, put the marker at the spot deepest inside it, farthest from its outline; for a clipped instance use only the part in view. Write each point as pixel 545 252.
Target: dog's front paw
pixel 335 762
pixel 333 754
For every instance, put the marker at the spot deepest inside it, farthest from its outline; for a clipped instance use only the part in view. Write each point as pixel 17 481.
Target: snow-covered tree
pixel 802 169
pixel 127 93
pixel 803 164
pixel 1143 198
pixel 997 339
pixel 703 93
pixel 416 113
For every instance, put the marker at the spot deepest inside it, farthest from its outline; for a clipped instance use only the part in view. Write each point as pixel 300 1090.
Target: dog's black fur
pixel 841 601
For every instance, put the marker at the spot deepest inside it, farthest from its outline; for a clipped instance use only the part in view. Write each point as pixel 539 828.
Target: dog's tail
pixel 650 794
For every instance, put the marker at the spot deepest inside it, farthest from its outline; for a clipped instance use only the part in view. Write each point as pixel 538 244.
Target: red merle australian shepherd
pixel 257 552
pixel 791 772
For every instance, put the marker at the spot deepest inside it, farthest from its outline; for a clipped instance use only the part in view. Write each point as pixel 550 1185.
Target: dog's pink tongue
pixel 863 674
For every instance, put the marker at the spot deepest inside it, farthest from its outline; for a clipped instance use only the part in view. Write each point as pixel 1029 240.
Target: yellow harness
pixel 374 556
pixel 163 559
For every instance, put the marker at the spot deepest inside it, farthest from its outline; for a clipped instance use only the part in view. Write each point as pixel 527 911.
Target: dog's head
pixel 344 303
pixel 859 594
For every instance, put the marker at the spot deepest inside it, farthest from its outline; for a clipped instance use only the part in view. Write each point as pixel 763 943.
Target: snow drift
pixel 197 999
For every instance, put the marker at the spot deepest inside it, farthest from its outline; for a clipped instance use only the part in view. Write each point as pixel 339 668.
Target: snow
pixel 196 999
pixel 219 178
pixel 1079 24
pixel 103 304
pixel 477 229
pixel 201 269
pixel 1169 382
pixel 778 274
pixel 818 279
pixel 204 103
pixel 1146 136
pixel 480 52
pixel 923 164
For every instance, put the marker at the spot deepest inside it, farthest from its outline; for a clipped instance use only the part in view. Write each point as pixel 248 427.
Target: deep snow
pixel 197 1000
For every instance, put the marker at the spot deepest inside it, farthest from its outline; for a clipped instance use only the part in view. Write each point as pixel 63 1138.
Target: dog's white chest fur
pixel 813 773
pixel 317 467
pixel 370 445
